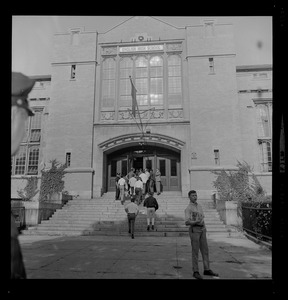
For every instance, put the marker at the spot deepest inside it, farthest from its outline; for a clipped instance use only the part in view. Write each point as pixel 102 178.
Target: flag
pixel 134 100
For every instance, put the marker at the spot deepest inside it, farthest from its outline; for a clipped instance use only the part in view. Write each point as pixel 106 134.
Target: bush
pixel 52 180
pixel 30 189
pixel 241 186
pixel 238 185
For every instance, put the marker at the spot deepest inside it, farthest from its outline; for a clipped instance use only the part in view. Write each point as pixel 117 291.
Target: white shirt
pixel 132 181
pixel 143 177
pixel 121 181
pixel 138 184
pixel 132 208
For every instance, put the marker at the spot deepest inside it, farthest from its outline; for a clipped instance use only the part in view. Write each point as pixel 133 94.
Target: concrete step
pixel 105 216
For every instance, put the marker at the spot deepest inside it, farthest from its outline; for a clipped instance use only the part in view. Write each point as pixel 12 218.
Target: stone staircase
pixel 105 216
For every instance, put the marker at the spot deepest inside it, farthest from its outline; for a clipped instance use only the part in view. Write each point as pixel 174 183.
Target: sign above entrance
pixel 141 48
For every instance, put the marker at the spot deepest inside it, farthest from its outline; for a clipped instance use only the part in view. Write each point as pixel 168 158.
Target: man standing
pixel 121 185
pixel 21 86
pixel 194 218
pixel 152 205
pixel 132 211
pixel 144 179
pixel 138 187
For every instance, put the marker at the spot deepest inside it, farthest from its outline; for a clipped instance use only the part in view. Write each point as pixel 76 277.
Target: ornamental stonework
pixel 157 114
pixel 175 114
pixel 109 50
pixel 124 115
pixel 107 116
pixel 174 47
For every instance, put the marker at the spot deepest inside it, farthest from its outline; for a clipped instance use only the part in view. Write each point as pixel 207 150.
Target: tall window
pixel 108 83
pixel 156 80
pixel 26 160
pixel 174 80
pixel 141 82
pixel 157 77
pixel 126 70
pixel 264 129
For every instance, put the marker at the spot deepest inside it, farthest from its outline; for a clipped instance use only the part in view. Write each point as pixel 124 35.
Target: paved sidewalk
pixel 120 257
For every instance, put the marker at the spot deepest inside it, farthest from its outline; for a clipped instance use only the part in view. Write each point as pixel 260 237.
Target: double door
pixel 169 168
pixel 168 165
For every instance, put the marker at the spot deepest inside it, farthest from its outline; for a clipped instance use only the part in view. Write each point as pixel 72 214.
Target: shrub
pixel 52 180
pixel 30 189
pixel 241 185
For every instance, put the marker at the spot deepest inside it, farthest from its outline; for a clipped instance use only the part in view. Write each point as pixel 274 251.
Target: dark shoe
pixel 148 228
pixel 129 231
pixel 152 227
pixel 210 273
pixel 197 275
pixel 132 236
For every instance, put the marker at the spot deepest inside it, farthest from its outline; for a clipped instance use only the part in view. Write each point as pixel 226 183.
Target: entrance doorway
pixel 150 157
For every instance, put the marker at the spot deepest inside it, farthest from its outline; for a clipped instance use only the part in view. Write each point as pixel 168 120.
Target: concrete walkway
pixel 120 257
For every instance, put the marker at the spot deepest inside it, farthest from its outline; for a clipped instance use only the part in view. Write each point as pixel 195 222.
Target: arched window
pixel 174 80
pixel 156 80
pixel 126 70
pixel 108 82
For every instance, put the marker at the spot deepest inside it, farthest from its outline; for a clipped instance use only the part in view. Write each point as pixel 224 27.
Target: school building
pixel 199 111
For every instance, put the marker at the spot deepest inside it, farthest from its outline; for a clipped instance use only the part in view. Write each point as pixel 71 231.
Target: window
pixel 217 157
pixel 156 81
pixel 162 167
pixel 141 82
pixel 126 70
pixel 173 169
pixel 265 155
pixel 68 159
pixel 26 160
pixel 264 119
pixel 211 65
pixel 157 77
pixel 73 72
pixel 108 83
pixel 174 80
pixel 264 132
pixel 113 168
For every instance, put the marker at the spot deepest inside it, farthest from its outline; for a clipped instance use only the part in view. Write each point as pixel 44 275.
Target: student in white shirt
pixel 132 182
pixel 132 211
pixel 121 184
pixel 138 190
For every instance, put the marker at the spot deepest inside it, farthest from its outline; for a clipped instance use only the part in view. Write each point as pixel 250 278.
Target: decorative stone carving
pixel 175 114
pixel 157 114
pixel 124 115
pixel 174 47
pixel 109 50
pixel 108 115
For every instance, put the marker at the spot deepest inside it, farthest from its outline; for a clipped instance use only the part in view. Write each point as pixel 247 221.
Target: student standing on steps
pixel 152 205
pixel 194 218
pixel 132 211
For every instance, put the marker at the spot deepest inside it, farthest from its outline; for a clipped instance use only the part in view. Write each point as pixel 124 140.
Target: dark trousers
pixel 199 241
pixel 138 193
pixel 131 222
pixel 117 194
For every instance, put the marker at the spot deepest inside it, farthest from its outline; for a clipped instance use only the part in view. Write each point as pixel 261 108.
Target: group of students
pixel 137 184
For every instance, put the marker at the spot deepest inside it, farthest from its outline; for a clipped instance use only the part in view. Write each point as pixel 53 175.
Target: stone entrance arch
pixel 151 151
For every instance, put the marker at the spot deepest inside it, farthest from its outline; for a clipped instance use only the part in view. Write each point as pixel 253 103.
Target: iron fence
pixel 257 221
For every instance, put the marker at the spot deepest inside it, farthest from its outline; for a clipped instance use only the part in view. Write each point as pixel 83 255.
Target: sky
pixel 32 37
